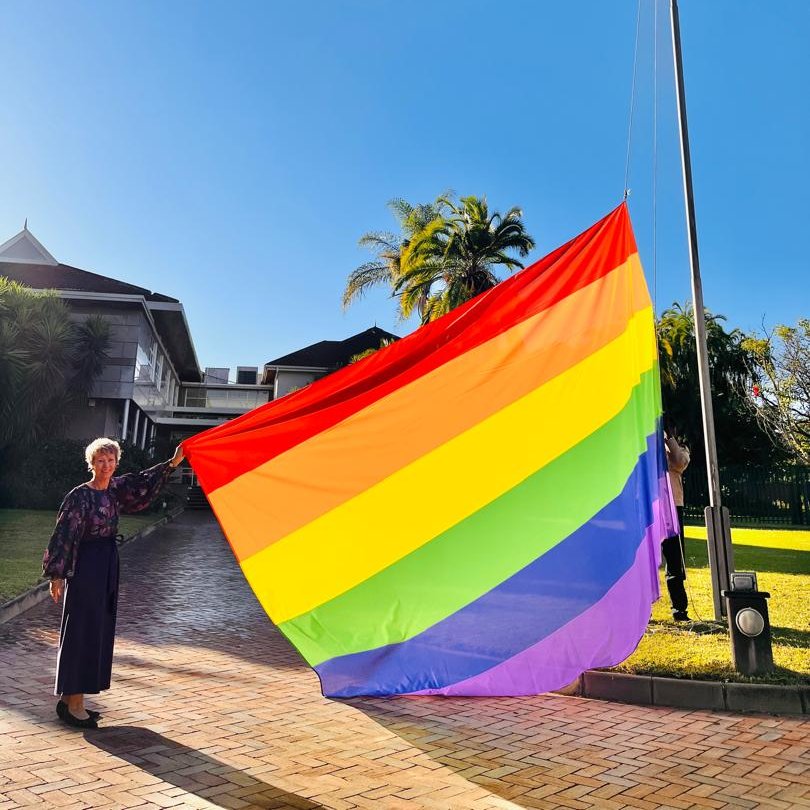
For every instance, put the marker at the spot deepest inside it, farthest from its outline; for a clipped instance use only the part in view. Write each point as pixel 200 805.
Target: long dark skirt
pixel 86 640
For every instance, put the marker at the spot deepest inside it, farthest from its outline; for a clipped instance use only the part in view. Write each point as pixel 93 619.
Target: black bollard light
pixel 748 625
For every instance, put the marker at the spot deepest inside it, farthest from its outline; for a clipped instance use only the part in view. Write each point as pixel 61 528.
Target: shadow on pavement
pixel 467 736
pixel 190 770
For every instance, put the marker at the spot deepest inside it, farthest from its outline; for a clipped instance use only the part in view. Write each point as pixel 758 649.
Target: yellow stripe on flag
pixel 376 528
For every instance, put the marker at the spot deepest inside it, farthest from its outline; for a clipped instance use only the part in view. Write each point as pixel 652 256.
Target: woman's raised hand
pixel 178 456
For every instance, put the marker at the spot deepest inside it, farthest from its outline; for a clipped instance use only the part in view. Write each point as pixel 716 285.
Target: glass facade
pixel 143 365
pixel 221 397
pixel 156 384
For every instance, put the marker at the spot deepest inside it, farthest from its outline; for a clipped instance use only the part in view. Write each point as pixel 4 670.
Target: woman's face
pixel 104 464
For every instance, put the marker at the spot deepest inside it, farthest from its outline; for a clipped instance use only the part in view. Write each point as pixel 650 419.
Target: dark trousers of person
pixel 87 636
pixel 674 553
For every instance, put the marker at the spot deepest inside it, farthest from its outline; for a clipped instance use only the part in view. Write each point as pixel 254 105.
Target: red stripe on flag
pixel 225 452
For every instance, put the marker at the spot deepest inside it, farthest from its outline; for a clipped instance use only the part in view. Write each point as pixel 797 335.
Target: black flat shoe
pixel 67 718
pixel 92 712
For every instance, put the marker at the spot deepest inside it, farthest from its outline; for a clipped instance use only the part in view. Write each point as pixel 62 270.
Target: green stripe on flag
pixel 489 546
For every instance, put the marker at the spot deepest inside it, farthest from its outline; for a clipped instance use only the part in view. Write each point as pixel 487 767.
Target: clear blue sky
pixel 231 154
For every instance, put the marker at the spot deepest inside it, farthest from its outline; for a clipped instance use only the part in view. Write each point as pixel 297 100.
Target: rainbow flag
pixel 476 509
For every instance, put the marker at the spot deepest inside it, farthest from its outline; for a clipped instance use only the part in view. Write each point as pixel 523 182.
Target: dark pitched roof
pixel 334 353
pixel 65 277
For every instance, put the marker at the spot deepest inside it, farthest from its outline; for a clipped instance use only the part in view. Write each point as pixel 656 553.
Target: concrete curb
pixel 25 601
pixel 651 690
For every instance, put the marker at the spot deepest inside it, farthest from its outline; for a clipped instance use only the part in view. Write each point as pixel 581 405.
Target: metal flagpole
pixel 717 516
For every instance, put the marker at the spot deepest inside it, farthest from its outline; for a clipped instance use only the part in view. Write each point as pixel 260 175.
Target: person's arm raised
pixel 178 456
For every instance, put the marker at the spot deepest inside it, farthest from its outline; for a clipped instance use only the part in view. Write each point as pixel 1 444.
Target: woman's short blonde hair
pixel 101 445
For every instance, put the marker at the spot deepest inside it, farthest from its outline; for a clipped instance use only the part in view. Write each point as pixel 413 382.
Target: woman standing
pixel 82 563
pixel 674 548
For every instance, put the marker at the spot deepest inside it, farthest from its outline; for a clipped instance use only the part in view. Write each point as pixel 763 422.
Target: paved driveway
pixel 210 707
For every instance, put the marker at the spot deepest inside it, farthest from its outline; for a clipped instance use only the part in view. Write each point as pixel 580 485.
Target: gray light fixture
pixel 750 622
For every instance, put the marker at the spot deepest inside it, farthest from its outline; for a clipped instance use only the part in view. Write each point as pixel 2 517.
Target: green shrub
pixel 41 477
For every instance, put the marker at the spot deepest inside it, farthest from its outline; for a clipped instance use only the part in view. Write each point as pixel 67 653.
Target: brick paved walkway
pixel 210 707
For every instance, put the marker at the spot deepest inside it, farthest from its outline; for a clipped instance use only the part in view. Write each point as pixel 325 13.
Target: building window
pixel 195 398
pixel 143 365
pixel 165 377
pixel 159 371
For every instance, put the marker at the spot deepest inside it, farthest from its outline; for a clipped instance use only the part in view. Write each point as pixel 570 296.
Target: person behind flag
pixel 674 548
pixel 81 562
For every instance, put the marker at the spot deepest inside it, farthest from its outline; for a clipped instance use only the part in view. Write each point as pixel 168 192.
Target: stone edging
pixel 651 690
pixel 25 601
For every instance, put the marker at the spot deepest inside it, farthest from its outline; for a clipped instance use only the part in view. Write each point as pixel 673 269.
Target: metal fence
pixel 771 497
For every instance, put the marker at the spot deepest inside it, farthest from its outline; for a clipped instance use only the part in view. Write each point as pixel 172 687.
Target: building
pixel 151 390
pixel 300 368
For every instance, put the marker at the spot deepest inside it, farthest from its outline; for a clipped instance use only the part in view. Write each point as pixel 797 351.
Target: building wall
pixel 117 374
pixel 156 382
pixel 287 381
pixel 92 421
pixel 137 367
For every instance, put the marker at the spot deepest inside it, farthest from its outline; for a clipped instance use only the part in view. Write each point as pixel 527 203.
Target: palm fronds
pixel 446 253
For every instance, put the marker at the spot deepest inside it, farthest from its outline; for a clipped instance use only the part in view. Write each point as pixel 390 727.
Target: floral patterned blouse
pixel 93 513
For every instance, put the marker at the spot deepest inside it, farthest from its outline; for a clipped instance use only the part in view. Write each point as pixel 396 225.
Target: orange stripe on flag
pixel 338 464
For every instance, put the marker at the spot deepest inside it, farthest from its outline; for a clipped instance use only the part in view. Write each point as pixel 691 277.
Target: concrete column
pixel 125 420
pixel 135 427
pixel 145 430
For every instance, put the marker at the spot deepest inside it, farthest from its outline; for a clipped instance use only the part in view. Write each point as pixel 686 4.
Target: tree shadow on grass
pixel 790 635
pixel 191 770
pixel 753 558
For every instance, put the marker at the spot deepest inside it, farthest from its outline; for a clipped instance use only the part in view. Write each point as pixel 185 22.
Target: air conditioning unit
pixel 247 375
pixel 216 375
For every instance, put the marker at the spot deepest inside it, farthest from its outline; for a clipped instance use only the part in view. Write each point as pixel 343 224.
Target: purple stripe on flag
pixel 601 636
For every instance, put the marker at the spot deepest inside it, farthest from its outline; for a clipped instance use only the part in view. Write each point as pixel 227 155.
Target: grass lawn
pixel 781 559
pixel 24 533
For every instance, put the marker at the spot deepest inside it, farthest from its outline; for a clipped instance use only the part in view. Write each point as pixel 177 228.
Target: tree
pixel 447 252
pixel 388 247
pixel 47 362
pixel 368 352
pixel 740 439
pixel 780 368
pixel 454 257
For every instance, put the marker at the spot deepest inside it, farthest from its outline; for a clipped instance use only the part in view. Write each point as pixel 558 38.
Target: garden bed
pixel 700 650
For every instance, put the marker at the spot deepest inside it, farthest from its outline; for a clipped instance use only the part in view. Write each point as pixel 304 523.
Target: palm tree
pixel 91 342
pixel 445 254
pixel 454 257
pixel 47 362
pixel 356 358
pixel 388 247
